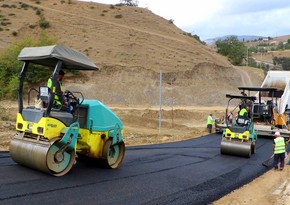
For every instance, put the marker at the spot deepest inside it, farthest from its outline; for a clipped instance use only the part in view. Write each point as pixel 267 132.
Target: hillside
pixel 271 47
pixel 130 45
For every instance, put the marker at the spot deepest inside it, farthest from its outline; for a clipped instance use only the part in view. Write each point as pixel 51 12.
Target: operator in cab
pixel 244 112
pixel 58 97
pixel 243 117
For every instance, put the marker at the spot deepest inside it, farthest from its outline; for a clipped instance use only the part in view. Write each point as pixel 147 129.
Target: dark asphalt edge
pixel 192 195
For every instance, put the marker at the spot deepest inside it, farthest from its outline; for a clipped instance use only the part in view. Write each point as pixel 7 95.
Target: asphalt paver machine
pixel 269 112
pixel 240 137
pixel 50 139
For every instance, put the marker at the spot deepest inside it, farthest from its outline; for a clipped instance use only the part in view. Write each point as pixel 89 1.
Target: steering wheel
pixel 71 98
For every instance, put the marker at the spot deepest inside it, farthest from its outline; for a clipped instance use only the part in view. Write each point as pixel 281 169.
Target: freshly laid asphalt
pixel 186 172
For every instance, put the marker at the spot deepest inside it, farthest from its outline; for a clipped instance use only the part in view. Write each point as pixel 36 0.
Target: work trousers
pixel 209 128
pixel 279 158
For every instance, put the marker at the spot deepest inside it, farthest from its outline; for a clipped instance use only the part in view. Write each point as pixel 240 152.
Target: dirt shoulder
pixel 271 188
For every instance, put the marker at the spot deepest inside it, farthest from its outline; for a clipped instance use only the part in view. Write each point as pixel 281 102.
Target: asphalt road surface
pixel 187 172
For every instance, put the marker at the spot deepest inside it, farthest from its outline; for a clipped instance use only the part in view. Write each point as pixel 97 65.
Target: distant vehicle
pixel 271 112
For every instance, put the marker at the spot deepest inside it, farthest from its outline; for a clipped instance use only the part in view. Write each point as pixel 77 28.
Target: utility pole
pixel 247 57
pixel 160 101
pixel 171 81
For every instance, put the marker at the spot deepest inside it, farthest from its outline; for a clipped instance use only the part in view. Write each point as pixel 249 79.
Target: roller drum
pixel 236 148
pixel 113 155
pixel 41 155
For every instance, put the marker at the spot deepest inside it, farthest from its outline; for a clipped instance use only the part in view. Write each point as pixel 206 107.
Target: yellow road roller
pixel 239 138
pixel 50 137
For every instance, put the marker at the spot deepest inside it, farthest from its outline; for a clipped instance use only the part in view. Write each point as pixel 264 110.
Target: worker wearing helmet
pixel 58 89
pixel 279 147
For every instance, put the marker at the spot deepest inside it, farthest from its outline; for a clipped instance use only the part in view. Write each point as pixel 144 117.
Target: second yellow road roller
pixel 239 138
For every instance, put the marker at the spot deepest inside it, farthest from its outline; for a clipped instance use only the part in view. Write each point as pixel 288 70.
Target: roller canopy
pixel 257 89
pixel 50 55
pixel 252 98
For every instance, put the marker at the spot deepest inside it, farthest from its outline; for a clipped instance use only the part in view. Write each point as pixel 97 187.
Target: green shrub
pixel 38 12
pixel 118 16
pixel 3 23
pixel 13 87
pixel 32 26
pixel 24 6
pixel 34 8
pixel 10 66
pixel 5 6
pixel 43 23
pixel 4 115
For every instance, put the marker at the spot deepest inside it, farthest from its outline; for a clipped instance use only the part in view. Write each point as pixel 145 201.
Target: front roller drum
pixel 41 155
pixel 231 147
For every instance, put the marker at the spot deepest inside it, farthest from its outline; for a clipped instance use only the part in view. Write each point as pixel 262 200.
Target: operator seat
pixel 242 121
pixel 241 124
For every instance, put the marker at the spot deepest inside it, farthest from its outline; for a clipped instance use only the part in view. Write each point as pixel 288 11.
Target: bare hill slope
pixel 131 45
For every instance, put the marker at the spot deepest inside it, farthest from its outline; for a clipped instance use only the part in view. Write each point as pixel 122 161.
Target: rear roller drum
pixel 113 155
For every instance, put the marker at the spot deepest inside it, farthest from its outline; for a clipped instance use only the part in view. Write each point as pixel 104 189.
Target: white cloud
pixel 214 18
pixel 184 12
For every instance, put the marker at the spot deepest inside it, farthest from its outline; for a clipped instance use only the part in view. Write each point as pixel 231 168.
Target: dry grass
pixel 130 51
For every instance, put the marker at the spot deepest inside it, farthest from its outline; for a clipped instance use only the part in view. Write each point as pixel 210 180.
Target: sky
pixel 216 18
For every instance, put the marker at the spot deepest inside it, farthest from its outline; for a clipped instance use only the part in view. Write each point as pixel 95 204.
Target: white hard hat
pixel 277 133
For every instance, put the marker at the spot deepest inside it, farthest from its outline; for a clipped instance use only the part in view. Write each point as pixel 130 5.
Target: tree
pixel 198 39
pixel 10 66
pixel 234 49
pixel 129 2
pixel 283 61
